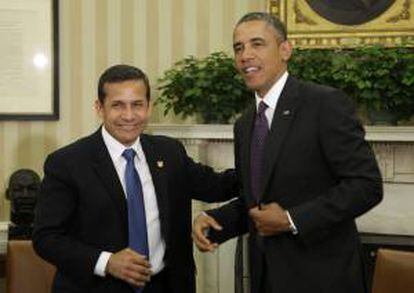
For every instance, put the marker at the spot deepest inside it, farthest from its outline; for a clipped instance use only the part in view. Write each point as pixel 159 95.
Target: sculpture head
pixel 23 189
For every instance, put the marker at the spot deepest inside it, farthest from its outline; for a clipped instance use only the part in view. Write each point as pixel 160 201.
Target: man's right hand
pixel 201 226
pixel 129 266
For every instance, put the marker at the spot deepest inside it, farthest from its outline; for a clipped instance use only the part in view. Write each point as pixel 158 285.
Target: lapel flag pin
pixel 160 164
pixel 286 113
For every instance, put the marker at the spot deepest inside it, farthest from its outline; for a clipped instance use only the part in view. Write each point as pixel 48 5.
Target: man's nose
pixel 128 113
pixel 247 53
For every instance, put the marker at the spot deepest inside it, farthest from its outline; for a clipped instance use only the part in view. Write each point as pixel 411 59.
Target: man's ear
pixel 98 107
pixel 286 49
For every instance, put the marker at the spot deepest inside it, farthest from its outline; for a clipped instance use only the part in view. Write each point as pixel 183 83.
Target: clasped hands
pixel 269 219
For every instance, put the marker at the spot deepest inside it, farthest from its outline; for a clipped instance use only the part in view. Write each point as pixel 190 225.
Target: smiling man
pixel 306 174
pixel 114 212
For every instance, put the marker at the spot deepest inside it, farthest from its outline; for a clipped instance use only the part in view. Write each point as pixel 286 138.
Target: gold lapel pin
pixel 160 164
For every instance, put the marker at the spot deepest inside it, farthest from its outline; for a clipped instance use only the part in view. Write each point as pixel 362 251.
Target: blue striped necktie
pixel 137 224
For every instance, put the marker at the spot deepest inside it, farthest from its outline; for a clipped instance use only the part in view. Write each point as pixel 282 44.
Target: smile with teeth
pixel 250 69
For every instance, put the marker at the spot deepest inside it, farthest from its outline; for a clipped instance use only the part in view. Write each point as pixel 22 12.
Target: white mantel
pixel 225 131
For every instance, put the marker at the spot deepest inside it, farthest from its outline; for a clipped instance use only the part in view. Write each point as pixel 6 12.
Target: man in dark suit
pixel 306 174
pixel 85 214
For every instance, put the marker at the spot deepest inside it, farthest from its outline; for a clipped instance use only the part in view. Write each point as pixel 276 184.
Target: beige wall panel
pixel 114 31
pixel 230 18
pixel 177 30
pixel 190 27
pixel 140 34
pixel 23 156
pixel 101 37
pixel 216 22
pixel 88 72
pixel 10 156
pixel 65 86
pixel 38 143
pixel 127 31
pixel 76 80
pixel 203 39
pixel 165 35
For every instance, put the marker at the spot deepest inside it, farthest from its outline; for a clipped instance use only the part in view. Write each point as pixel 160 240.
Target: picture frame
pixel 29 46
pixel 391 23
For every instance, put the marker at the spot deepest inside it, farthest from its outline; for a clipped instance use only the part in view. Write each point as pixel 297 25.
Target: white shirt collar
pixel 116 148
pixel 272 96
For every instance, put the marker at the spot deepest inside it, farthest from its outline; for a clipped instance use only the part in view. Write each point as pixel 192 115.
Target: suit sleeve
pixel 232 216
pixel 358 184
pixel 53 222
pixel 206 184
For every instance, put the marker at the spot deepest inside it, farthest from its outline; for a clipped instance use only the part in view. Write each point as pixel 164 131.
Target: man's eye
pixel 237 49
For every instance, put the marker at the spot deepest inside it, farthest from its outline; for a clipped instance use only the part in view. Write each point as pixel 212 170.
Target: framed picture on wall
pixel 29 68
pixel 334 23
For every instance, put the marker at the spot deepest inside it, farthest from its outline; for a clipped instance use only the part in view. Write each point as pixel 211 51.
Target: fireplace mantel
pixel 225 132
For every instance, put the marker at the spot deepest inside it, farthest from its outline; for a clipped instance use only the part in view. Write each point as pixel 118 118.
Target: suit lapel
pixel 159 178
pixel 104 167
pixel 282 120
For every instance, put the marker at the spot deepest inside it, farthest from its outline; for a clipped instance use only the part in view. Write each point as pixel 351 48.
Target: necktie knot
pixel 262 108
pixel 129 154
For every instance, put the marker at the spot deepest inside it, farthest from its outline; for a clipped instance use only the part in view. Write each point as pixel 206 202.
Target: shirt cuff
pixel 100 267
pixel 291 224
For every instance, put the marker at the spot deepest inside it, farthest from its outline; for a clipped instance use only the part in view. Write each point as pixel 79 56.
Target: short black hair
pixel 268 18
pixel 120 73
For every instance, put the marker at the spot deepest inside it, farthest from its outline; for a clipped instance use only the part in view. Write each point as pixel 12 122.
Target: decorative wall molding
pixel 193 131
pixel 308 29
pixel 225 132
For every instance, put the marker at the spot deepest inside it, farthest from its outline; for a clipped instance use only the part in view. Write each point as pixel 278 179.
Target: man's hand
pixel 270 219
pixel 129 266
pixel 201 226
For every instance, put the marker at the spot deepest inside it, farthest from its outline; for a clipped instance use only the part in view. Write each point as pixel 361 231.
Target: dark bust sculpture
pixel 22 192
pixel 350 12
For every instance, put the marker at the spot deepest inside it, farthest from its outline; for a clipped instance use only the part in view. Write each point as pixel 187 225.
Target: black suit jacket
pixel 319 167
pixel 82 210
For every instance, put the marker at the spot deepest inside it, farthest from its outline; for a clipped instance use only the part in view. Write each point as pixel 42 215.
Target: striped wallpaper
pixel 94 34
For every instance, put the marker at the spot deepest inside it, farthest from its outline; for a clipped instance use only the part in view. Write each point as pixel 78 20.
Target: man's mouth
pixel 127 127
pixel 250 70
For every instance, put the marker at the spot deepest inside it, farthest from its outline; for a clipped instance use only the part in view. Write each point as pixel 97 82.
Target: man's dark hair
pixel 120 73
pixel 267 18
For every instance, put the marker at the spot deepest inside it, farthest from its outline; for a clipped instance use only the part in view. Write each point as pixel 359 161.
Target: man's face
pixel 260 56
pixel 125 110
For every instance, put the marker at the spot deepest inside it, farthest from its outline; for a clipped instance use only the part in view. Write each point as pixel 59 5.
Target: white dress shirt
pixel 156 243
pixel 270 99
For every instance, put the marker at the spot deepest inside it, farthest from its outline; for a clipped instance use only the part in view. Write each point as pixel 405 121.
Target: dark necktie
pixel 137 224
pixel 260 132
